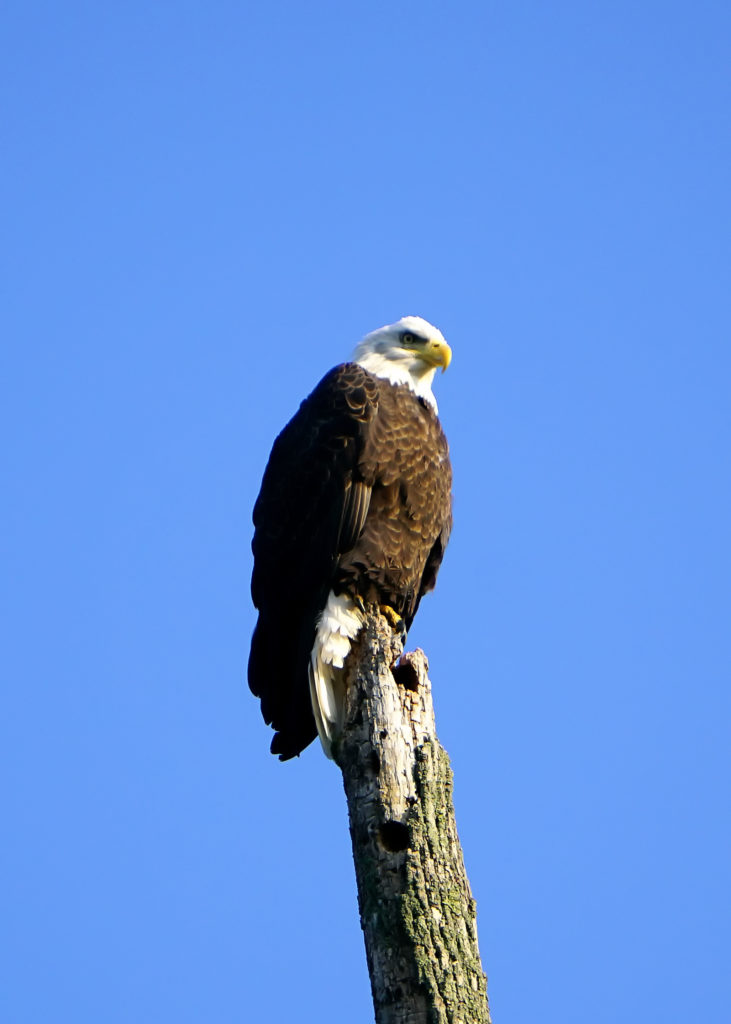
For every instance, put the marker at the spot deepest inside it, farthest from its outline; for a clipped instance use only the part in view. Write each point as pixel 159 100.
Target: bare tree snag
pixel 416 908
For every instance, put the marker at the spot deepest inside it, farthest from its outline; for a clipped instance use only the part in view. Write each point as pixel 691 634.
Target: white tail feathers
pixel 337 626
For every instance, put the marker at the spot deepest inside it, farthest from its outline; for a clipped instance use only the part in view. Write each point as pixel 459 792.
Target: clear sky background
pixel 204 207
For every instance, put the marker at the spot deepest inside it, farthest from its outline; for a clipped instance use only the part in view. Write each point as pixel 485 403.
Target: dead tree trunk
pixel 416 908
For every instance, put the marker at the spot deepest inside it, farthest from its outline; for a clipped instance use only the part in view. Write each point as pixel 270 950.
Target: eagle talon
pixel 393 618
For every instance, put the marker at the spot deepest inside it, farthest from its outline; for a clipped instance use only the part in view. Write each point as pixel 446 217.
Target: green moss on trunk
pixel 417 911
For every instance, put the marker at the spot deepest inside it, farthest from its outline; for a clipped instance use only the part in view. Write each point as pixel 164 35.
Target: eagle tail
pixel 337 627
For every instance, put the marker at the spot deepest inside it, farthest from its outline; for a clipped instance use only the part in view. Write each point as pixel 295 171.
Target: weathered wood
pixel 416 908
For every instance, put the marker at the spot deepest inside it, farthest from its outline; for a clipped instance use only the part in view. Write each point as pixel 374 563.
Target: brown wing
pixel 313 503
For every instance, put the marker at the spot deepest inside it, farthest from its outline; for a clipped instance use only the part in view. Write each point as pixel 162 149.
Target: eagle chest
pixel 412 449
pixel 411 483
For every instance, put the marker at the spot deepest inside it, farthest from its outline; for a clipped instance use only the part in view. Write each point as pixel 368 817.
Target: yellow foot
pixel 393 618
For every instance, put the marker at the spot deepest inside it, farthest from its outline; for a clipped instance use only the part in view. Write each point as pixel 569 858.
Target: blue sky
pixel 204 207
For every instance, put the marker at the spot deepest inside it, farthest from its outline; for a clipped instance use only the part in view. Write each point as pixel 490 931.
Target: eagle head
pixel 407 352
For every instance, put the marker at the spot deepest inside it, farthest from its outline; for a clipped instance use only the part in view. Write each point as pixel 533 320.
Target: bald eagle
pixel 355 509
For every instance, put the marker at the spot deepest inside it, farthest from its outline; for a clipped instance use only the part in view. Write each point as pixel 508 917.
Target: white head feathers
pixel 407 352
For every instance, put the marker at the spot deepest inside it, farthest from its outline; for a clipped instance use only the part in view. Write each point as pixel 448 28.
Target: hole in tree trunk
pixel 394 836
pixel 406 675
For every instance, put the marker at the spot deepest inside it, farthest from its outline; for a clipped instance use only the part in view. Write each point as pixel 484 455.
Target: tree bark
pixel 416 908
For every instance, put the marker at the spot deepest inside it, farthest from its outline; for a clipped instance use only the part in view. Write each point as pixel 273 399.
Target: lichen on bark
pixel 417 911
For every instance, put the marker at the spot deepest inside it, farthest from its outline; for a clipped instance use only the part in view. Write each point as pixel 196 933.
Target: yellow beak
pixel 437 353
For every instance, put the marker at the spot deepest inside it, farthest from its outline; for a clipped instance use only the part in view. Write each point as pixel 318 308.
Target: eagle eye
pixel 407 338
